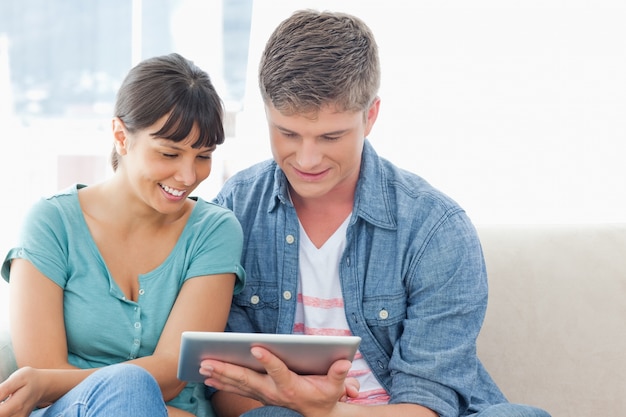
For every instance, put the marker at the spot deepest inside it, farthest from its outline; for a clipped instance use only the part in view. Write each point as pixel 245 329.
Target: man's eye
pixel 207 157
pixel 170 155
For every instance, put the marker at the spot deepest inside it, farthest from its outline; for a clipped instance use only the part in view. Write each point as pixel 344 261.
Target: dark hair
pixel 316 58
pixel 170 84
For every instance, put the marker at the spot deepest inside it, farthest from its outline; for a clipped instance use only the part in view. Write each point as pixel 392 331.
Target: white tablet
pixel 303 354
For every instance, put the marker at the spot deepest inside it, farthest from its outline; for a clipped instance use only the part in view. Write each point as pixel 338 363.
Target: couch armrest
pixel 7 358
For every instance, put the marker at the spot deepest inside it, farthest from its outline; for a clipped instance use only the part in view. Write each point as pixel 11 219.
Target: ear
pixel 371 116
pixel 120 139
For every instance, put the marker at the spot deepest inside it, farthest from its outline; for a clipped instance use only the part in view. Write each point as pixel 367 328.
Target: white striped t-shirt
pixel 320 309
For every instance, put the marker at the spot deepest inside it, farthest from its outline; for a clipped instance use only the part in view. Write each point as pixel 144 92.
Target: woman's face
pixel 160 172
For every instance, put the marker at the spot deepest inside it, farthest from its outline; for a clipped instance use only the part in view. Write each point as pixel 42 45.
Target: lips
pixel 311 176
pixel 172 191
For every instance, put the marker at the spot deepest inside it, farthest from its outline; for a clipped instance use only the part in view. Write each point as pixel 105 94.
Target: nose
pixel 186 173
pixel 308 155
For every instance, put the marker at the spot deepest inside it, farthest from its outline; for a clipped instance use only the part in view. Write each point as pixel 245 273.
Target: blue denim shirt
pixel 412 275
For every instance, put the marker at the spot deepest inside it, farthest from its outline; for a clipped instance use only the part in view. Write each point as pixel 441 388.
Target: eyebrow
pixel 168 143
pixel 334 133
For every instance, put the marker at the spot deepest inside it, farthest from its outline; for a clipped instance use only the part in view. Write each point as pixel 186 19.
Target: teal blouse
pixel 103 327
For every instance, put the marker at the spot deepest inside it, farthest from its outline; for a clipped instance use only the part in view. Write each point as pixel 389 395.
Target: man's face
pixel 320 153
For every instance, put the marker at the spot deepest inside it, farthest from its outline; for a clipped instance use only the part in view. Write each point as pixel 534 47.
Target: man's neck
pixel 320 217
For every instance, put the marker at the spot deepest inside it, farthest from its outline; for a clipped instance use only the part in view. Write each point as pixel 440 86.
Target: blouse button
pixel 287 295
pixel 290 239
pixel 141 292
pixel 383 314
pixel 255 299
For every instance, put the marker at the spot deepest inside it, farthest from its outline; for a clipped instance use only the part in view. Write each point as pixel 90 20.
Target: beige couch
pixel 555 332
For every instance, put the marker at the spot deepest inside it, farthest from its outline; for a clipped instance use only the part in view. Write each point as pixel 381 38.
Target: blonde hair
pixel 313 59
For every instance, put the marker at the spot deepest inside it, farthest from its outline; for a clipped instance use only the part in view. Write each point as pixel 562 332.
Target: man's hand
pixel 311 395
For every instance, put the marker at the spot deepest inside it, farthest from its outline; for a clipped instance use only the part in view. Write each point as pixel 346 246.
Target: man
pixel 340 241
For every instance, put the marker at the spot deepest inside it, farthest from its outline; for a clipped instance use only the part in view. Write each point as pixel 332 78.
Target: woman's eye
pixel 170 155
pixel 207 157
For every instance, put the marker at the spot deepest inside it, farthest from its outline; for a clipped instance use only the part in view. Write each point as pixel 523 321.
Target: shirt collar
pixel 280 193
pixel 372 198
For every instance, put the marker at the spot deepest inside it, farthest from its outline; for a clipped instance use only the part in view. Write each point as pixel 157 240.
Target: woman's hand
pixel 311 395
pixel 21 393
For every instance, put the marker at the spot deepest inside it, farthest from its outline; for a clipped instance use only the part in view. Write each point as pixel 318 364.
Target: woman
pixel 106 277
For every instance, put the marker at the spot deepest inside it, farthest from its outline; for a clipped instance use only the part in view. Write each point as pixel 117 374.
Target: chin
pixel 310 191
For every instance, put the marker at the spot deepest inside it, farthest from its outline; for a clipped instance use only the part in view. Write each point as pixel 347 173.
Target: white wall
pixel 517 109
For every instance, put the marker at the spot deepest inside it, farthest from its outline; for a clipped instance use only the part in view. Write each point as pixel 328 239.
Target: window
pixel 515 109
pixel 60 66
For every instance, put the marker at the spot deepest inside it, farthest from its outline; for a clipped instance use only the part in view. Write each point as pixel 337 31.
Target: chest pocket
pixel 385 316
pixel 258 297
pixel 260 304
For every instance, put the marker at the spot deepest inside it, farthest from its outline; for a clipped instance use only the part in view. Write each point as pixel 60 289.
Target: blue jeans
pixel 499 410
pixel 113 391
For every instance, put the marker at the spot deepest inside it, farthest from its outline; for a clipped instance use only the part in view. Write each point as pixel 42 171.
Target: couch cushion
pixel 555 333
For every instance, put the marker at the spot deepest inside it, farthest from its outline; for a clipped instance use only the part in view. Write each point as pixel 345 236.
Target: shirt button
pixel 255 299
pixel 383 314
pixel 141 292
pixel 137 325
pixel 287 295
pixel 136 342
pixel 290 239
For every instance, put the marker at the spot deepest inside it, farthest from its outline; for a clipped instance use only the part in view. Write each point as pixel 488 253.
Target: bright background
pixel 517 109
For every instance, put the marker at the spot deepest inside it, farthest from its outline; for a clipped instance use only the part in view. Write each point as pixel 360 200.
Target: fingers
pixel 280 386
pixel 273 366
pixel 338 376
pixel 339 370
pixel 12 398
pixel 225 376
pixel 352 388
pixel 7 389
pixel 240 380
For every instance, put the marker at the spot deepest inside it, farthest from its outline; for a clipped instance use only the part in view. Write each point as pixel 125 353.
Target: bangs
pixel 184 116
